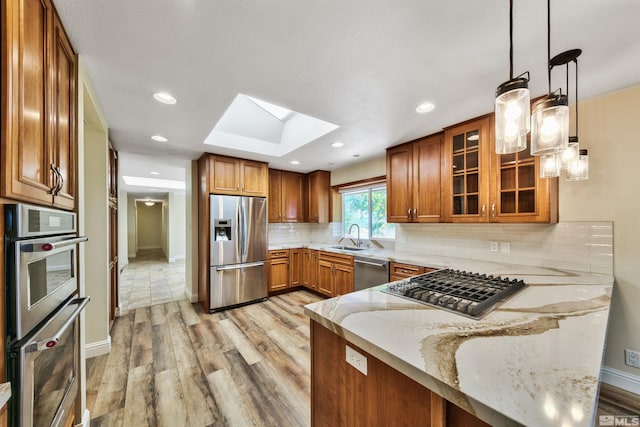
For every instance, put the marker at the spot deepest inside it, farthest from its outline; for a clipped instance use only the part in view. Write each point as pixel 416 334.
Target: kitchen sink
pixel 348 248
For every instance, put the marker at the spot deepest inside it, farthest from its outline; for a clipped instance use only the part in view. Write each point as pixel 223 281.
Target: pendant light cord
pixel 510 39
pixel 549 43
pixel 576 61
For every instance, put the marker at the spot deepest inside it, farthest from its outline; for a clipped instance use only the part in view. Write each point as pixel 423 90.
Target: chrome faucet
pixel 350 228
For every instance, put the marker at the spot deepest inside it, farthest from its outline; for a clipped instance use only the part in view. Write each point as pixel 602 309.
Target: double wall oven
pixel 42 313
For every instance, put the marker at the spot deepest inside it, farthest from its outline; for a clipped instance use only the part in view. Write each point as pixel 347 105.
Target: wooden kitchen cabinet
pixel 414 181
pixel 39 146
pixel 295 267
pixel 286 196
pixel 398 271
pixel 233 176
pixel 310 268
pixel 481 186
pixel 335 274
pixel 318 197
pixel 342 395
pixel 278 270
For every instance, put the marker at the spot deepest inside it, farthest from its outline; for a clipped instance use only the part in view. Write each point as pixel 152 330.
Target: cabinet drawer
pixel 336 258
pixel 280 253
pixel 406 270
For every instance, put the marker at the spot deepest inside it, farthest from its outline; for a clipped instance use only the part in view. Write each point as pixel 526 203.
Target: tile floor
pixel 149 279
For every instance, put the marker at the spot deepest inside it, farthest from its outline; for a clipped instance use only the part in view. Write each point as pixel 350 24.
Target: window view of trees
pixel 368 209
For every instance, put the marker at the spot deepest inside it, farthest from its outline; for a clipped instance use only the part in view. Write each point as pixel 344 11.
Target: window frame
pixel 369 188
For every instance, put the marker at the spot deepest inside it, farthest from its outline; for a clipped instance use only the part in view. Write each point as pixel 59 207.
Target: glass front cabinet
pixel 481 186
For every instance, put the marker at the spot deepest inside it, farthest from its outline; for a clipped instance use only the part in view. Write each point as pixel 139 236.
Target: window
pixel 367 207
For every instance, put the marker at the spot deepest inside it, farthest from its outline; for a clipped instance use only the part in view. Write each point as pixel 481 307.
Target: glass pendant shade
pixel 512 116
pixel 569 154
pixel 578 170
pixel 550 125
pixel 550 165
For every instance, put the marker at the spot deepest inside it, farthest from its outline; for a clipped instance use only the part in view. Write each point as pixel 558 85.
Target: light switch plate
pixel 493 246
pixel 357 360
pixel 505 247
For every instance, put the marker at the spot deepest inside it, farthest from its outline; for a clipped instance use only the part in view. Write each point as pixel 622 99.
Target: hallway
pixel 149 279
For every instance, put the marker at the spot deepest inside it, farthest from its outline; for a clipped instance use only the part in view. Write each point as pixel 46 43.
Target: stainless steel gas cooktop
pixel 470 294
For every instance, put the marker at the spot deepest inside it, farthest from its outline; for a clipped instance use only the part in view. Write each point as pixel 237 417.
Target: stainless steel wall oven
pixel 42 313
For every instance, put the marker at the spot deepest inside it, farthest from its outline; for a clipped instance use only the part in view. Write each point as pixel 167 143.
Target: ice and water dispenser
pixel 222 229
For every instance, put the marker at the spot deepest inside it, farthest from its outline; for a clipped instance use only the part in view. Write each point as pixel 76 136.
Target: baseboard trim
pixel 621 379
pixel 133 255
pixel 191 297
pixel 149 247
pixel 98 348
pixel 86 418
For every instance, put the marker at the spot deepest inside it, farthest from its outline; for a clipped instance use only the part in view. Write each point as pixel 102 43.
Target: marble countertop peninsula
pixel 533 361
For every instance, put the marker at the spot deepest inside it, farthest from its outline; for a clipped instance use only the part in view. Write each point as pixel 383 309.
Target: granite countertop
pixel 535 360
pixel 5 393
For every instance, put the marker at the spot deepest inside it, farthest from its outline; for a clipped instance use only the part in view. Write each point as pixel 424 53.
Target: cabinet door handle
pixel 61 181
pixel 415 213
pixel 52 190
pixel 493 210
pixel 409 213
pixel 484 210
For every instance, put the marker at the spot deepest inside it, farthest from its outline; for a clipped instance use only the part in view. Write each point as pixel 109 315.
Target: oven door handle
pixel 51 342
pixel 49 246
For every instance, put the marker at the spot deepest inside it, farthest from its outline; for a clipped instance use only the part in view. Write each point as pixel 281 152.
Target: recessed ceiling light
pixel 337 144
pixel 165 98
pixel 149 203
pixel 154 173
pixel 159 138
pixel 425 107
pixel 295 162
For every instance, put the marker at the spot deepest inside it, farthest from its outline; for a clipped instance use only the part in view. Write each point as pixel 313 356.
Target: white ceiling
pixel 361 64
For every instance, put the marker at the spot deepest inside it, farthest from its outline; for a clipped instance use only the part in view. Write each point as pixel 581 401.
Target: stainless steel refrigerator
pixel 238 252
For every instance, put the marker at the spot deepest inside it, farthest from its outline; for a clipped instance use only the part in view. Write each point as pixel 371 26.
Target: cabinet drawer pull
pixel 484 210
pixel 493 210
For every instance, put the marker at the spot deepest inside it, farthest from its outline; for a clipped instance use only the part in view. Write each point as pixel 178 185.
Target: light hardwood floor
pixel 174 365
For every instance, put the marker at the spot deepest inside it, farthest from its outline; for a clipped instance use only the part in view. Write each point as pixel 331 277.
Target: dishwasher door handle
pixel 384 265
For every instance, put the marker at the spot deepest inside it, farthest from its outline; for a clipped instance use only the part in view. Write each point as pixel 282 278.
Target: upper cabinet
pixel 481 186
pixel 39 110
pixel 229 175
pixel 466 171
pixel 318 196
pixel 286 191
pixel 413 181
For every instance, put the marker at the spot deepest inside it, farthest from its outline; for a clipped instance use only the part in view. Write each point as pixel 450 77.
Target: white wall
pixel 92 222
pixel 177 230
pixel 609 130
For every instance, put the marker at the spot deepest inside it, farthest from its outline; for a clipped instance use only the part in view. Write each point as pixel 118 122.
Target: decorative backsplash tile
pixel 580 246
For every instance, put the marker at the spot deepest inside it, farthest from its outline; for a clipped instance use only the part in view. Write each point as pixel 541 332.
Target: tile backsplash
pixel 580 246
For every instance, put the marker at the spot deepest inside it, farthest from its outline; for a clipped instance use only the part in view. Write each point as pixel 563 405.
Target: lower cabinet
pixel 335 274
pixel 343 396
pixel 310 268
pixel 278 270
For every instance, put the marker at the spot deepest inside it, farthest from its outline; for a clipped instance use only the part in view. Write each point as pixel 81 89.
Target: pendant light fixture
pixel 578 170
pixel 550 117
pixel 512 106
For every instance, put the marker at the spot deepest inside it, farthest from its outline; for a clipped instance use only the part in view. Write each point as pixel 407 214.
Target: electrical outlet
pixel 505 247
pixel 356 360
pixel 632 358
pixel 493 247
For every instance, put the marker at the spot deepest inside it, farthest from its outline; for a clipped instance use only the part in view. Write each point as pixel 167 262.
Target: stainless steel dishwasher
pixel 370 272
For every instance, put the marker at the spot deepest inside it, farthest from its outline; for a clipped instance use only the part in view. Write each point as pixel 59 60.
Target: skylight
pixel 260 127
pixel 280 112
pixel 153 182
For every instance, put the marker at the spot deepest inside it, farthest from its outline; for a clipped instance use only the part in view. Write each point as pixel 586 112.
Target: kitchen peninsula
pixel 533 361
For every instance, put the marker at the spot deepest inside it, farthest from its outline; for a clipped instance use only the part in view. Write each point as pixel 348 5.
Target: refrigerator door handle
pixel 237 266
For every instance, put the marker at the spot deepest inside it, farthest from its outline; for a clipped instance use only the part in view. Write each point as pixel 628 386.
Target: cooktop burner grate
pixel 470 294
